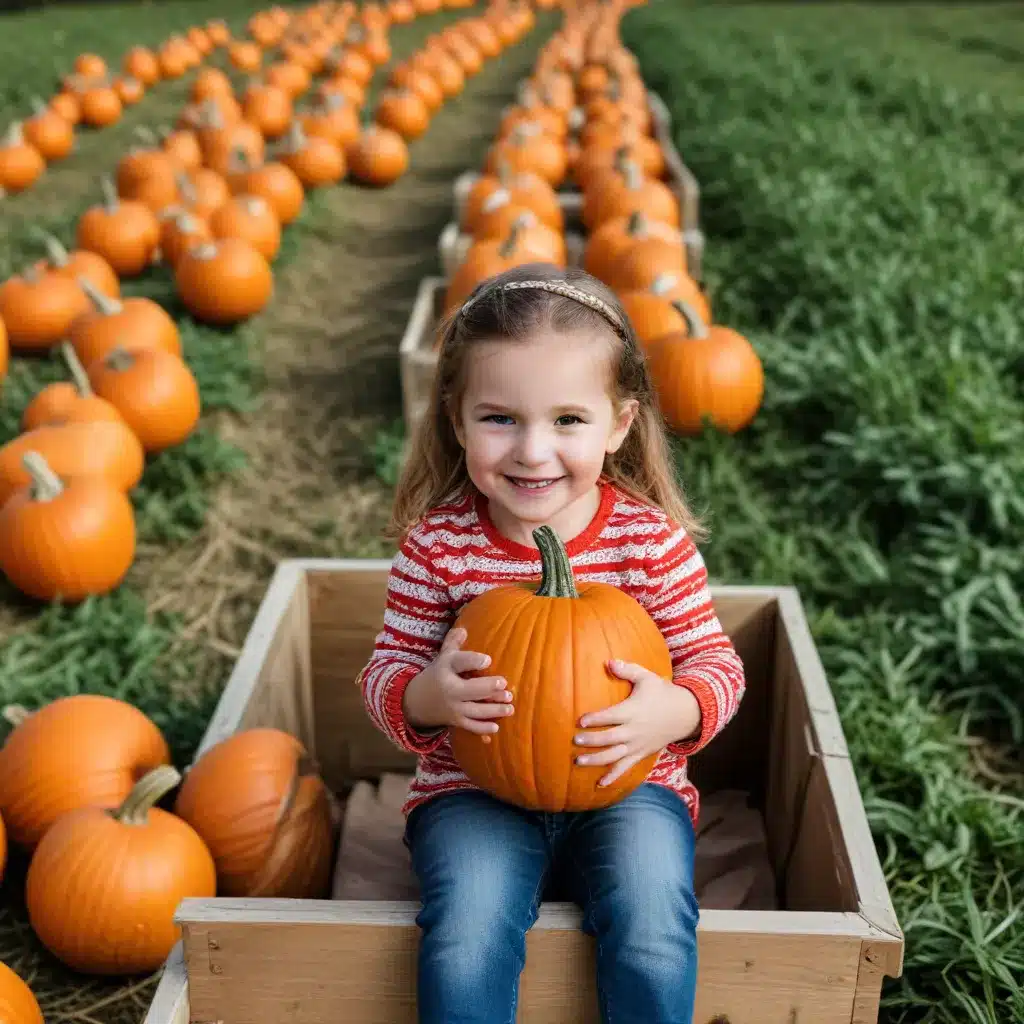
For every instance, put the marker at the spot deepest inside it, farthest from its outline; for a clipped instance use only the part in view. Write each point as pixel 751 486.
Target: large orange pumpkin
pixel 84 749
pixel 18 1003
pixel 105 881
pixel 265 814
pixel 552 643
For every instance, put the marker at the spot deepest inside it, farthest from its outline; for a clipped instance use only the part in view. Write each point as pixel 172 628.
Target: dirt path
pixel 330 355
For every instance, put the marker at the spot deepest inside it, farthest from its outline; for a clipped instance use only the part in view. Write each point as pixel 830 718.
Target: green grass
pixel 861 196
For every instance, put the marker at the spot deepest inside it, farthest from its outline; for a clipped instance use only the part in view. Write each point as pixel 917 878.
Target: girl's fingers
pixel 607 756
pixel 480 688
pixel 602 737
pixel 468 661
pixel 485 729
pixel 483 709
pixel 621 768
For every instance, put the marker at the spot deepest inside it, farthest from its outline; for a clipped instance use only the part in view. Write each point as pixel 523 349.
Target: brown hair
pixel 501 307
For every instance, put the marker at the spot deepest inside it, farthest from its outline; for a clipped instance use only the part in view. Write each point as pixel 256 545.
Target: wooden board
pixel 417 356
pixel 273 960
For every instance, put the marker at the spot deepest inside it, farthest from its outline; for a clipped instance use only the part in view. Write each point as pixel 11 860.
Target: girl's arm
pixel 703 657
pixel 417 615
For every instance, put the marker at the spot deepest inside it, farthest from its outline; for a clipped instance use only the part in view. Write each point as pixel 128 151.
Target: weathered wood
pixel 417 356
pixel 271 960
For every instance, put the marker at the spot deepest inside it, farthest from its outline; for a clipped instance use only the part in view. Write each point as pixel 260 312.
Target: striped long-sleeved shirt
pixel 456 553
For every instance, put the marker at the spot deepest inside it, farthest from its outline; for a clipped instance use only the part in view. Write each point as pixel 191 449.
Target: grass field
pixel 861 194
pixel 861 175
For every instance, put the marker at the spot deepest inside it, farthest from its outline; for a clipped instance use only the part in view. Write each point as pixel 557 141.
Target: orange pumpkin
pixel 529 148
pixel 125 870
pixel 52 135
pixel 269 108
pixel 315 160
pixel 265 814
pixel 39 308
pixel 379 156
pixel 335 118
pixel 21 164
pixel 79 263
pixel 251 218
pixel 125 233
pixel 134 322
pixel 224 281
pixel 84 749
pixel 129 90
pixel 65 539
pixel 525 188
pixel 273 181
pixel 141 63
pixel 403 111
pixel 153 390
pixel 101 106
pixel 615 193
pixel 654 312
pixel 706 371
pixel 86 448
pixel 179 231
pixel 64 401
pixel 18 1004
pixel 554 658
pixel 4 352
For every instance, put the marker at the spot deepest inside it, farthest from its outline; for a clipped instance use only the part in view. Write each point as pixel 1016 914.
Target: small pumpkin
pixel 124 870
pixel 617 193
pixel 134 322
pixel 529 148
pixel 315 160
pixel 269 108
pixel 525 188
pixel 203 191
pixel 334 118
pixel 4 352
pixel 79 263
pixel 64 401
pixel 277 183
pixel 87 748
pixel 251 218
pixel 21 164
pixel 616 235
pixel 554 656
pixel 39 307
pixel 140 62
pixel 101 106
pixel 52 135
pixel 154 391
pixel 403 111
pixel 18 1003
pixel 88 448
pixel 643 260
pixel 124 232
pixel 147 174
pixel 706 371
pixel 129 90
pixel 179 231
pixel 378 157
pixel 66 104
pixel 654 312
pixel 65 539
pixel 224 281
pixel 265 814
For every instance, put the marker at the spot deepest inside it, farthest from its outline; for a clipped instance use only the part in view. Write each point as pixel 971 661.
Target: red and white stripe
pixel 455 554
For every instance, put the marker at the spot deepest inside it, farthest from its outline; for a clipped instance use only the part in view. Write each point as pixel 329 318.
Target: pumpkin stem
pixel 38 105
pixel 146 134
pixel 620 160
pixel 45 485
pixel 664 282
pixel 697 327
pixel 634 176
pixel 185 187
pixel 503 171
pixel 76 369
pixel 104 303
pixel 637 226
pixel 14 136
pixel 56 254
pixel 556 573
pixel 119 358
pixel 15 714
pixel 110 199
pixel 145 793
pixel 508 247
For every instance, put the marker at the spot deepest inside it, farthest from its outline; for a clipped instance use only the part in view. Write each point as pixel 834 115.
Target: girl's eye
pixel 497 417
pixel 568 420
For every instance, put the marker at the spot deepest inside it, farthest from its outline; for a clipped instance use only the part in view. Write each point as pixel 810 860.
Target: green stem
pixel 46 485
pixel 110 199
pixel 697 327
pixel 556 572
pixel 76 369
pixel 145 793
pixel 104 303
pixel 119 359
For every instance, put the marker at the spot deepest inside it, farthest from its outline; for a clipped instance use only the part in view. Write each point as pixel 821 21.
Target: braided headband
pixel 567 291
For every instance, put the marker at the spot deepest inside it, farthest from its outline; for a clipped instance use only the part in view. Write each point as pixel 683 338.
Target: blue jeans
pixel 483 866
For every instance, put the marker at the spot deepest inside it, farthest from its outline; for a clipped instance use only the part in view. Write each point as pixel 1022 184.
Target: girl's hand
pixel 655 714
pixel 441 696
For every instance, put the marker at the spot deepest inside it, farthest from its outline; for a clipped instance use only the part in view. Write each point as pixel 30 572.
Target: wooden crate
pixel 417 357
pixel 820 960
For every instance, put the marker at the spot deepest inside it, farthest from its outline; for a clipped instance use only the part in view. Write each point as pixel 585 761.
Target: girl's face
pixel 536 421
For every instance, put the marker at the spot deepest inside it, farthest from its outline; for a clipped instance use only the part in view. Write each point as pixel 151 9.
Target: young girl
pixel 543 413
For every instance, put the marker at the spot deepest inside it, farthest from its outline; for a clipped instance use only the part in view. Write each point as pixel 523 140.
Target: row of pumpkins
pixel 582 118
pixel 208 202
pixel 95 96
pixel 79 781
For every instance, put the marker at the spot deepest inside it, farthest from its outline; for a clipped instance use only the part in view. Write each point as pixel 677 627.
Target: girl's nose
pixel 533 447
